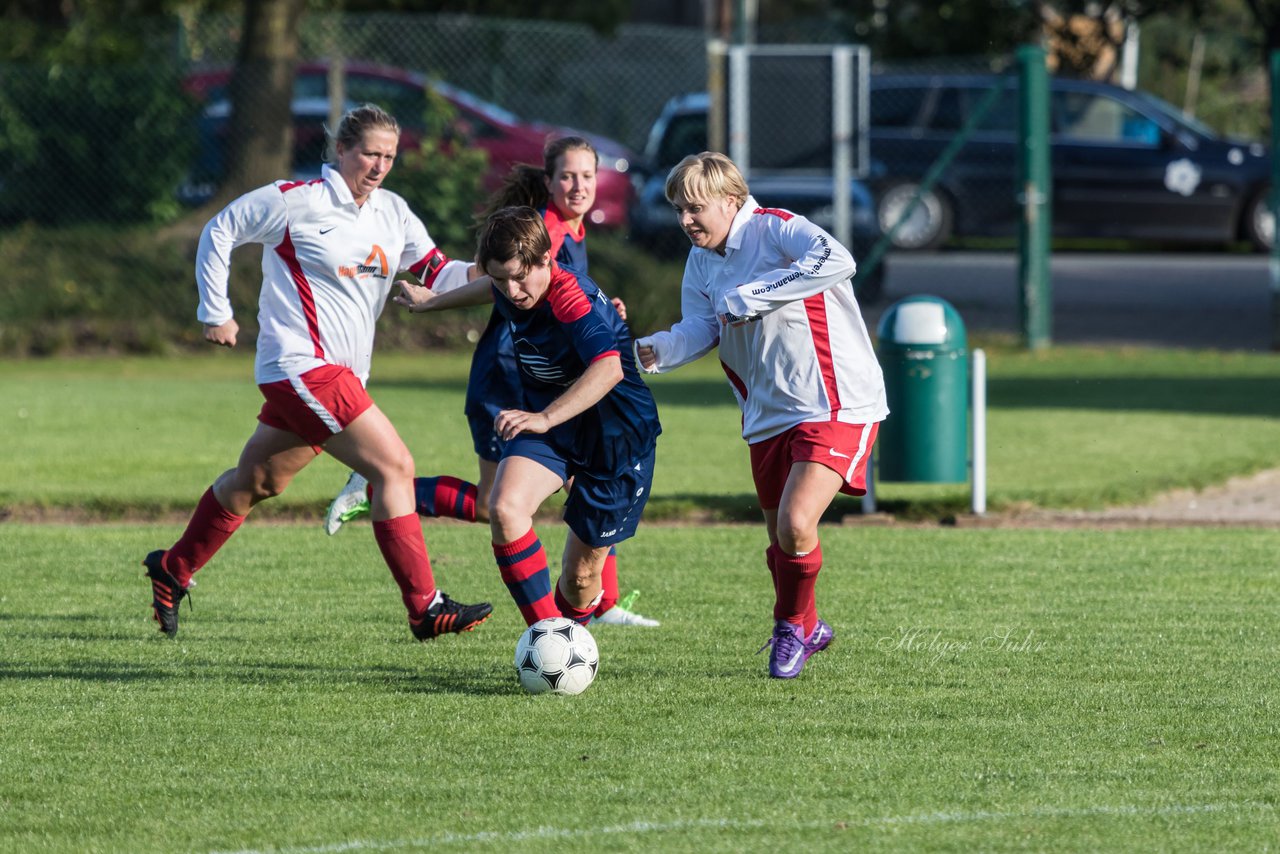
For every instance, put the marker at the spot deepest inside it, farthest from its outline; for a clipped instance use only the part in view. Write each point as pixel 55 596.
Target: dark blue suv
pixel 681 130
pixel 1125 165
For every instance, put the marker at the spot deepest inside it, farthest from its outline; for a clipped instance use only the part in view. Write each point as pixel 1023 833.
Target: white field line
pixel 641 827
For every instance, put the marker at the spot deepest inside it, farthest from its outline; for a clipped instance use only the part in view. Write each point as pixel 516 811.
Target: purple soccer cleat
pixel 820 639
pixel 790 650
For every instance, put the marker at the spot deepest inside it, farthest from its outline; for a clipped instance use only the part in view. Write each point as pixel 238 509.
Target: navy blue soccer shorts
pixel 601 511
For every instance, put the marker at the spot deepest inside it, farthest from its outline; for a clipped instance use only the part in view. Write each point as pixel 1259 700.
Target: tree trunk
pixel 260 143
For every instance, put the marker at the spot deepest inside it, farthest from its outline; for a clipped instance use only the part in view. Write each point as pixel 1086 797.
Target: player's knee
pixel 393 470
pixel 795 536
pixel 507 516
pixel 267 485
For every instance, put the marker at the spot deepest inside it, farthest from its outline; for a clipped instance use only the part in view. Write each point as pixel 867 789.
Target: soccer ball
pixel 556 655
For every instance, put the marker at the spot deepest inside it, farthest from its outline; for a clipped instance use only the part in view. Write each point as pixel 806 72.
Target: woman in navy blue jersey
pixel 563 190
pixel 586 416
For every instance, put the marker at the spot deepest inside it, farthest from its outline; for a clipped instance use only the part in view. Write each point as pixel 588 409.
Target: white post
pixel 1129 56
pixel 979 405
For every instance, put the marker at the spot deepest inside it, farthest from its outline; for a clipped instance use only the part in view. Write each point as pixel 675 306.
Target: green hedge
pixel 132 290
pixel 54 171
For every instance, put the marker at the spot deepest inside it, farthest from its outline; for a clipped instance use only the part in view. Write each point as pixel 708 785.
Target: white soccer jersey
pixel 792 340
pixel 327 267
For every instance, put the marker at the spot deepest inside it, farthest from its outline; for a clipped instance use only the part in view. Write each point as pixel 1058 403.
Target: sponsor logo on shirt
pixel 788 279
pixel 374 265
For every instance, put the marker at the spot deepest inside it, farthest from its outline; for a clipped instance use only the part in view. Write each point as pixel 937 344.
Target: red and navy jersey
pixel 568 247
pixel 555 342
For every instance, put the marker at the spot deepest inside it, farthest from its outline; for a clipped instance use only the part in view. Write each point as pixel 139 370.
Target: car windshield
pixel 1173 113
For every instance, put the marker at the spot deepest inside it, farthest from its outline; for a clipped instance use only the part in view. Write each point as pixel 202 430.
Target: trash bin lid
pixel 922 321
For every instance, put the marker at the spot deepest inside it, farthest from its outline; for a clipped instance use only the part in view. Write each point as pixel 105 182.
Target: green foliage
pixel 127 171
pixel 441 180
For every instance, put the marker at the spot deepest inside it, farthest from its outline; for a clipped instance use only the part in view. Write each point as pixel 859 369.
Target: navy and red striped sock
pixel 446 497
pixel 523 567
pixel 609 578
pixel 581 616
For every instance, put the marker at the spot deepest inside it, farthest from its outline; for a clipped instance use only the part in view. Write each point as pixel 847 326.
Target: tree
pixel 261 95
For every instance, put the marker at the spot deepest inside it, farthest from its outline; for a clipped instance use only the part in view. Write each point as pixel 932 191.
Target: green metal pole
pixel 1275 200
pixel 1035 184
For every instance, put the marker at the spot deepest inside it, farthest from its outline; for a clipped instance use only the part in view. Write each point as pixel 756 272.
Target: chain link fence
pixel 83 147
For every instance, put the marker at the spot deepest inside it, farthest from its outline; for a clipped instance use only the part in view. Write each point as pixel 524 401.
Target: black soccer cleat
pixel 449 616
pixel 166 593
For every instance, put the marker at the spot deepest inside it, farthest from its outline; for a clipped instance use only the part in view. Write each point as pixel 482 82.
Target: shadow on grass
pixel 700 507
pixel 480 679
pixel 1256 396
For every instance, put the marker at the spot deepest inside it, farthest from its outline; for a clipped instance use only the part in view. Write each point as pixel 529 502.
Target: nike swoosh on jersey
pixel 327 230
pixel 836 453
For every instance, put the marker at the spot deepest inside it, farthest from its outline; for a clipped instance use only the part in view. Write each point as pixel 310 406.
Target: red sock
pixel 523 567
pixel 609 578
pixel 581 616
pixel 211 525
pixel 797 578
pixel 445 496
pixel 773 568
pixel 405 552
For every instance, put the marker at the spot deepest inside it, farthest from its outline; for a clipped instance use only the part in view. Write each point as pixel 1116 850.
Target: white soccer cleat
pixel 620 616
pixel 351 502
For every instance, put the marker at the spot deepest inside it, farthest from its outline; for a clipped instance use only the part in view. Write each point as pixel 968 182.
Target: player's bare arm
pixel 590 389
pixel 417 297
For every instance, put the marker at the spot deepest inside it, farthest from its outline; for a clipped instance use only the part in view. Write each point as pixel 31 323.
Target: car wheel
pixel 1259 224
pixel 929 224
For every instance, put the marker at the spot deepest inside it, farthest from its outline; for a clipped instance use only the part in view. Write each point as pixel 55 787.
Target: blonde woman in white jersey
pixel 774 292
pixel 331 250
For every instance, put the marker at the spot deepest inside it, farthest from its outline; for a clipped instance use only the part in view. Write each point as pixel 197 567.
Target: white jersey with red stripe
pixel 328 265
pixel 780 305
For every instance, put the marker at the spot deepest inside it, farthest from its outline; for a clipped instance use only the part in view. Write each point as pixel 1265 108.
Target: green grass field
pixel 988 690
pixel 994 690
pixel 110 437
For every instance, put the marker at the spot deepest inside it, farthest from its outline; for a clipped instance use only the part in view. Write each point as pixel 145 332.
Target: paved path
pixel 1215 301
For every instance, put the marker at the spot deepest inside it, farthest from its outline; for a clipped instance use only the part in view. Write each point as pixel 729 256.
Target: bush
pixel 127 170
pixel 441 181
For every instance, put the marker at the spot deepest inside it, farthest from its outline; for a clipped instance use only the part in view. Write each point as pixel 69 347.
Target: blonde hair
pixel 705 176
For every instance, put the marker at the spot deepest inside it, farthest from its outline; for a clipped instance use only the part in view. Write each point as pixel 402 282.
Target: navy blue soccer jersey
pixel 555 342
pixel 493 384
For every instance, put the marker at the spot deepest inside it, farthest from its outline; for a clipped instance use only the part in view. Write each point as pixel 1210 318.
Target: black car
pixel 1125 165
pixel 681 130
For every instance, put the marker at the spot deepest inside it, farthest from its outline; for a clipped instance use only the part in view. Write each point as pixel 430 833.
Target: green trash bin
pixel 925 358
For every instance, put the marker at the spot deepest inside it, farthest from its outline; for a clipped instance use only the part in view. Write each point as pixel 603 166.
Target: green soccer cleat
pixel 351 503
pixel 622 615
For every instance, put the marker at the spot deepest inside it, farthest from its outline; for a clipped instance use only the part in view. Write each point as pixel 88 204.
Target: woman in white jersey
pixel 774 291
pixel 331 250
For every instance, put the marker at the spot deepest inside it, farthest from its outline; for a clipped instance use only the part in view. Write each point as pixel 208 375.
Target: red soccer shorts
pixel 843 448
pixel 315 405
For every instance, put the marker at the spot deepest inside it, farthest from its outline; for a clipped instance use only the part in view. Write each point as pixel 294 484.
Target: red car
pixel 507 138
